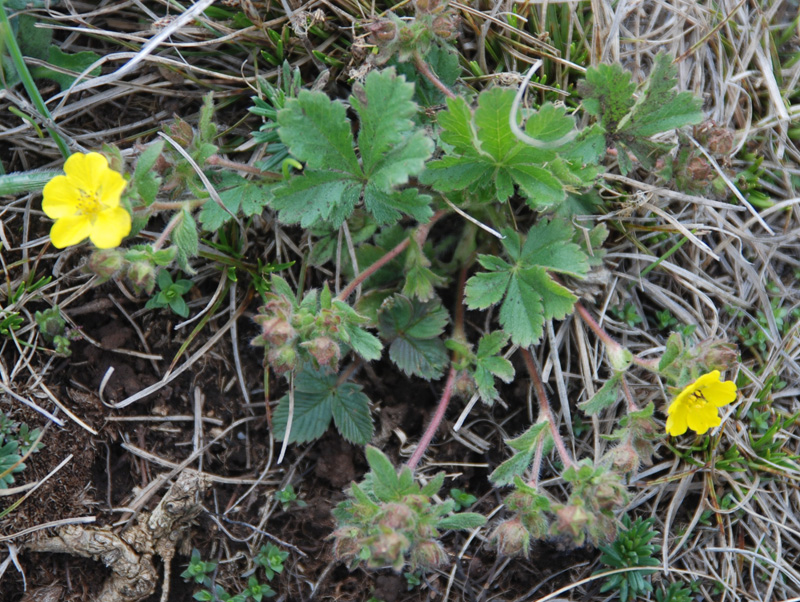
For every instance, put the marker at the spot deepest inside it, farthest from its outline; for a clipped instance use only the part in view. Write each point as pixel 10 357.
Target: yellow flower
pixel 696 406
pixel 85 203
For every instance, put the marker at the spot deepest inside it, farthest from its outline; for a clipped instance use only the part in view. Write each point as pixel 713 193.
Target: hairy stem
pixel 223 162
pixel 421 235
pixel 544 407
pixel 425 70
pixel 176 219
pixel 611 344
pixel 427 436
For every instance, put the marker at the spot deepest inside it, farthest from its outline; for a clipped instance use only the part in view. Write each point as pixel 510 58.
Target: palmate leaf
pixel 413 327
pixel 529 295
pixel 317 399
pixel 392 149
pixel 490 364
pixel 629 121
pixel 488 160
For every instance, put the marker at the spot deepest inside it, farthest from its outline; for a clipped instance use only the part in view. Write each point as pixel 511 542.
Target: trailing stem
pixel 612 347
pixel 544 407
pixel 421 235
pixel 458 332
pixel 425 70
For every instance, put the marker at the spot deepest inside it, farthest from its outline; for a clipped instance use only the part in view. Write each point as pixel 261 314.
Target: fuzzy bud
pixel 511 538
pixel 274 331
pixel 446 26
pixel 325 350
pixel 429 555
pixel 698 170
pixel 388 548
pixel 719 356
pixel 282 359
pixel 572 520
pixel 721 141
pixel 623 458
pixel 398 517
pixel 382 32
pixel 345 544
pixel 142 275
pixel 105 263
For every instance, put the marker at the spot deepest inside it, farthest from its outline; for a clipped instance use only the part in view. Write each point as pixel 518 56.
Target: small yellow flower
pixel 85 203
pixel 696 406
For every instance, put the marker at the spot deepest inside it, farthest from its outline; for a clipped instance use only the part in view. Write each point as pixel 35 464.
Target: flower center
pixel 697 401
pixel 89 204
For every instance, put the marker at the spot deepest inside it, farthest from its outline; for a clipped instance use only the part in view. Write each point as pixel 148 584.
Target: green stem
pixel 27 80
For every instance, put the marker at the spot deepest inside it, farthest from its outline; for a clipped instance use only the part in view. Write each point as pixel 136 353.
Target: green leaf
pixel 434 485
pixel 386 484
pixel 659 107
pixel 185 238
pixel 488 365
pixel 75 62
pixel 317 196
pixel 391 147
pixel 530 296
pixel 525 445
pixel 317 131
pixel 461 521
pixel 607 93
pixel 604 398
pixel 351 415
pixel 414 328
pixel 485 158
pixel 363 343
pixel 237 194
pixel 317 399
pixel 145 179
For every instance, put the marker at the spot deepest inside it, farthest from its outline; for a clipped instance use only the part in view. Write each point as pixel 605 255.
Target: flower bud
pixel 698 170
pixel 429 555
pixel 388 548
pixel 446 26
pixel 511 538
pixel 282 359
pixel 274 330
pixel 398 517
pixel 623 458
pixel 572 520
pixel 105 263
pixel 720 141
pixel 720 356
pixel 382 32
pixel 325 350
pixel 142 276
pixel 345 543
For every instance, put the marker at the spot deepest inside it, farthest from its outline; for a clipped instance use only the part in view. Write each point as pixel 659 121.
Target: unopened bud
pixel 274 330
pixel 511 538
pixel 398 517
pixel 623 458
pixel 446 26
pixel 388 548
pixel 572 520
pixel 282 359
pixel 105 263
pixel 325 350
pixel 719 356
pixel 382 32
pixel 698 170
pixel 142 275
pixel 429 555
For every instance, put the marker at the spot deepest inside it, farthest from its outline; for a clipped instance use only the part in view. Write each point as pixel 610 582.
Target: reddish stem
pixel 427 436
pixel 421 235
pixel 651 364
pixel 544 407
pixel 425 70
pixel 223 162
pixel 632 407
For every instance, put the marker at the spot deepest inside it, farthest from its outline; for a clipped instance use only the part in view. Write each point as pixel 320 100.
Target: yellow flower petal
pixel 702 419
pixel 85 170
pixel 70 230
pixel 110 227
pixel 721 394
pixel 676 423
pixel 110 189
pixel 60 198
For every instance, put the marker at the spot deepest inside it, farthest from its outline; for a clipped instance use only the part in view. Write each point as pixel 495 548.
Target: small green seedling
pixel 171 294
pixel 462 499
pixel 287 497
